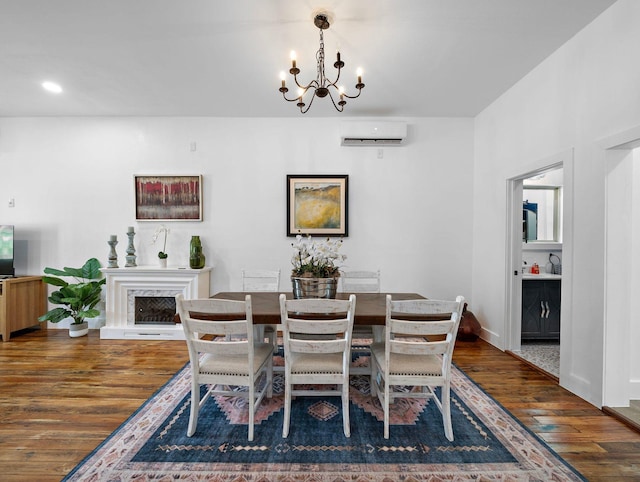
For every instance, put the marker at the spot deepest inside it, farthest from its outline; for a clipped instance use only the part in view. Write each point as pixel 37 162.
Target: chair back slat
pixel 424 306
pixel 297 345
pixel 318 327
pixel 221 347
pixel 216 327
pixel 260 280
pixel 425 327
pixel 418 348
pixel 360 281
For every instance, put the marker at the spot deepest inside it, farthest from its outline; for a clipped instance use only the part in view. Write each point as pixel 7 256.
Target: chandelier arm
pixel 340 106
pixel 354 96
pixel 310 102
pixel 313 83
pixel 290 100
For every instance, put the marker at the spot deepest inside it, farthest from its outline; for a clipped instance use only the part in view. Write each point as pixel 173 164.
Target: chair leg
pixel 346 426
pixel 287 410
pixel 195 408
pixel 446 411
pixel 252 404
pixel 270 378
pixel 373 383
pixel 386 409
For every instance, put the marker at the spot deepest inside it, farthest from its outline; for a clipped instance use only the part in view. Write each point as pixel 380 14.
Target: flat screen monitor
pixel 6 251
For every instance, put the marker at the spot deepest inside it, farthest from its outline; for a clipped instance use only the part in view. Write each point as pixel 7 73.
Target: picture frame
pixel 168 197
pixel 318 205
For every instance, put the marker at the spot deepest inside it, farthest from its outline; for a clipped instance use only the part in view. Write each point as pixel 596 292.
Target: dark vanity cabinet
pixel 541 309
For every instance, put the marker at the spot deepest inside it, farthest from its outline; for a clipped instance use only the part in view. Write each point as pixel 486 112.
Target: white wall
pixel 634 267
pixel 72 180
pixel 585 91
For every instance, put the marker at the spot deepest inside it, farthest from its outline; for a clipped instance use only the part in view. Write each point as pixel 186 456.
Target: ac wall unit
pixel 372 133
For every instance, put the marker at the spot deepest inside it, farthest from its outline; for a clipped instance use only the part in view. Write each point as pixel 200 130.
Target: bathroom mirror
pixel 541 213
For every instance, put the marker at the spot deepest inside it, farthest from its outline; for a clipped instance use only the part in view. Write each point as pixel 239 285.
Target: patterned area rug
pixel 489 443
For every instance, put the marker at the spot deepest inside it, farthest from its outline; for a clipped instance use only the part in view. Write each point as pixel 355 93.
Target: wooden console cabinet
pixel 22 301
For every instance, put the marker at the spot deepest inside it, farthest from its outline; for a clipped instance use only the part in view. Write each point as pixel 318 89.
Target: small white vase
pixel 163 262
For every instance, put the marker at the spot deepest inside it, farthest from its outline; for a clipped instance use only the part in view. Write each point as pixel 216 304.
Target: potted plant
pixel 316 267
pixel 162 255
pixel 78 299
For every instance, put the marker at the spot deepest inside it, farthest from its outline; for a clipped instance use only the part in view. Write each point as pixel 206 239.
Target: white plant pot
pixel 76 330
pixel 163 262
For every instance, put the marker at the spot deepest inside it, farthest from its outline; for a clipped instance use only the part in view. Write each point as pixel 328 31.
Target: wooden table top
pixel 370 307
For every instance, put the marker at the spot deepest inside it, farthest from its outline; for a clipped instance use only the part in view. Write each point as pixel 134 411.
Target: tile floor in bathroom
pixel 545 355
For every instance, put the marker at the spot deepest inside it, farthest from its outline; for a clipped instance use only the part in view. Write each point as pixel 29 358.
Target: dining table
pixel 370 307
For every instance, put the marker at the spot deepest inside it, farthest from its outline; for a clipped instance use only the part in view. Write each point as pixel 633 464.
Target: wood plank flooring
pixel 61 397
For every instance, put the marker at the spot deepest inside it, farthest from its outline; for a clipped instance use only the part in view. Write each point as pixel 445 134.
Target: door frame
pixel 618 388
pixel 513 264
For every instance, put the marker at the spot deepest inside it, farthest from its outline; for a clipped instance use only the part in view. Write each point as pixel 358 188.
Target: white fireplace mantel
pixel 122 283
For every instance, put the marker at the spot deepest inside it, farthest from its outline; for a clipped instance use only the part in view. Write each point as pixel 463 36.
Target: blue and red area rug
pixel 489 444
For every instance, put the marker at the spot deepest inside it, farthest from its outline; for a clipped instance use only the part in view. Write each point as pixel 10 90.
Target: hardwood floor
pixel 61 397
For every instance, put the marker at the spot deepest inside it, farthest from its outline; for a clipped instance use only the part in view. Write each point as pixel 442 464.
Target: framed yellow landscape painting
pixel 317 205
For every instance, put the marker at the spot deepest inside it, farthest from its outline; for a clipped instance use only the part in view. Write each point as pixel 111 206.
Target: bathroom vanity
pixel 541 306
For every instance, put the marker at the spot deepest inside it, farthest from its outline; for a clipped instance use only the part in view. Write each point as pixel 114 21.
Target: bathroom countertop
pixel 541 276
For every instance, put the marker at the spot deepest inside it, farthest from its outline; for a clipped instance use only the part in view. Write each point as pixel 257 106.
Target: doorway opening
pixel 621 389
pixel 535 250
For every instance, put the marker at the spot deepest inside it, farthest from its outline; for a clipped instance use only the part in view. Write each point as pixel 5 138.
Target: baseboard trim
pixel 618 416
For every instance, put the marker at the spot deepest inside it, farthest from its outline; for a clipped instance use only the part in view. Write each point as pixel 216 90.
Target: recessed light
pixel 52 87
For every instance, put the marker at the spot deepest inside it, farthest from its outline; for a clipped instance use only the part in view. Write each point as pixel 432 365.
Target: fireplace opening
pixel 157 310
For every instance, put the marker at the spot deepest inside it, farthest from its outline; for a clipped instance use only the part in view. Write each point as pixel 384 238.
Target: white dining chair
pixel 254 280
pixel 223 354
pixel 360 281
pixel 418 346
pixel 317 340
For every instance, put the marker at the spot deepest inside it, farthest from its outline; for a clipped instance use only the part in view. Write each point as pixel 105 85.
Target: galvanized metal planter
pixel 314 287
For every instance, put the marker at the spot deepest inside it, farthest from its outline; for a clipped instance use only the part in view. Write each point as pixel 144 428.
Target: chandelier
pixel 320 86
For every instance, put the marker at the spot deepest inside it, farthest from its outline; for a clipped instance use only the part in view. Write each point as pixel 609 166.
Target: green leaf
pixel 91 269
pixel 88 313
pixel 54 281
pixel 55 315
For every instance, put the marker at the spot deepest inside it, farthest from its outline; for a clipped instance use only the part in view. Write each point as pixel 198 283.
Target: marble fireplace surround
pixel 124 284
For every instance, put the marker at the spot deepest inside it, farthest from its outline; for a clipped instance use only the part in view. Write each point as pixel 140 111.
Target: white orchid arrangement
pixel 162 230
pixel 316 259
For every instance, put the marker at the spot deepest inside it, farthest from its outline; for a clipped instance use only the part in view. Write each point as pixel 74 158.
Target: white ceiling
pixel 215 58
